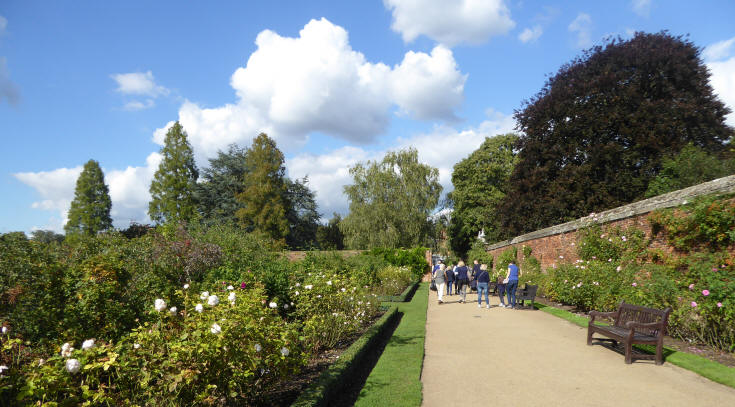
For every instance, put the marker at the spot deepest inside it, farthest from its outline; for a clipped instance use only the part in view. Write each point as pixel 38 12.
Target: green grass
pixel 714 371
pixel 396 378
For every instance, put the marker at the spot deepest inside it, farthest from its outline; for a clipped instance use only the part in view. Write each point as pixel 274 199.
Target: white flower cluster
pixel 212 300
pixel 66 350
pixel 160 305
pixel 3 368
pixel 231 298
pixel 5 330
pixel 215 329
pixel 88 344
pixel 72 365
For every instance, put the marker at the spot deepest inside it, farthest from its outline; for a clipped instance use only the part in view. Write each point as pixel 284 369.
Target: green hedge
pixel 328 385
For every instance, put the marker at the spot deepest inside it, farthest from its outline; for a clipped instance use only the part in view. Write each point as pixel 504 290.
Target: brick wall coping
pixel 719 186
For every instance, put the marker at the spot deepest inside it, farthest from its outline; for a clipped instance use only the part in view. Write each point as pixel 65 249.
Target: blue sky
pixel 333 82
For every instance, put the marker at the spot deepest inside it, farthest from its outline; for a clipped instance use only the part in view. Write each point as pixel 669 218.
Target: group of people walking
pixel 460 278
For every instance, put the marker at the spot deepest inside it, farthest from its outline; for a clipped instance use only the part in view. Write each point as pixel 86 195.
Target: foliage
pixel 691 166
pixel 479 253
pixel 89 212
pixel 603 123
pixel 172 188
pixel 708 223
pixel 262 198
pixel 302 214
pixel 390 202
pixel 219 184
pixel 332 308
pixel 504 259
pixel 530 264
pixel 414 259
pixel 393 280
pixel 46 236
pixel 480 185
pixel 328 236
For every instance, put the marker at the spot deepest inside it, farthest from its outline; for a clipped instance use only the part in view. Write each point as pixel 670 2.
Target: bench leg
pixel 589 336
pixel 628 352
pixel 660 354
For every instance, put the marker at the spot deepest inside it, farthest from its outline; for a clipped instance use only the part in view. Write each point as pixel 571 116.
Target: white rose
pixel 5 329
pixel 215 329
pixel 3 368
pixel 66 350
pixel 229 287
pixel 284 351
pixel 173 310
pixel 231 297
pixel 199 308
pixel 136 346
pixel 298 284
pixel 285 306
pixel 213 300
pixel 258 348
pixel 88 344
pixel 296 293
pixel 204 295
pixel 308 287
pixel 186 286
pixel 160 305
pixel 273 305
pixel 72 365
pixel 329 282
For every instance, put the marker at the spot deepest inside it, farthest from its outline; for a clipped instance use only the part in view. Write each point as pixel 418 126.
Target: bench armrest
pixel 598 314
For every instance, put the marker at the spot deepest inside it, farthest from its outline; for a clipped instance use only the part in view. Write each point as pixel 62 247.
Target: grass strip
pixel 332 381
pixel 396 378
pixel 712 370
pixel 405 295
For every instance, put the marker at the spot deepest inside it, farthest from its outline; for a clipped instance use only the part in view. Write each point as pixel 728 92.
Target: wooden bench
pixel 633 324
pixel 527 293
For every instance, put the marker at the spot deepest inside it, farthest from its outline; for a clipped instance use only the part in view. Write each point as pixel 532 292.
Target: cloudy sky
pixel 333 82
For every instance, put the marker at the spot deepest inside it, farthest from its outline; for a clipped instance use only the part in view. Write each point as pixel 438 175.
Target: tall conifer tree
pixel 90 210
pixel 264 193
pixel 172 188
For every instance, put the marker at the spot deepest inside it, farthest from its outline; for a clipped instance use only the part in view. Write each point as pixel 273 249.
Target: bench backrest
pixel 637 313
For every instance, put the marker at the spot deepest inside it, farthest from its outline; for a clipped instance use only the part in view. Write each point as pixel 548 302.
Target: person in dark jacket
pixel 449 273
pixel 463 280
pixel 475 268
pixel 483 280
pixel 501 288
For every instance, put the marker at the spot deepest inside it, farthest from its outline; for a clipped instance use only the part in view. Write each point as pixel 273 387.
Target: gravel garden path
pixel 508 357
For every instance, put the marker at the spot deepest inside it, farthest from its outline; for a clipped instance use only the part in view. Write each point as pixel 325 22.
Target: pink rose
pixel 635 284
pixel 691 286
pixel 705 292
pixel 719 305
pixel 694 304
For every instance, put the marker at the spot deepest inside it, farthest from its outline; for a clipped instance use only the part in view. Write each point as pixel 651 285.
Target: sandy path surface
pixel 479 357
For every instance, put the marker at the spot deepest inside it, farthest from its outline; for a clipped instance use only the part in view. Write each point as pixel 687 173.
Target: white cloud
pixel 291 87
pixel 723 83
pixel 138 83
pixel 450 22
pixel 3 24
pixel 531 34
pixel 641 7
pixel 442 148
pixel 128 192
pixel 582 25
pixel 719 50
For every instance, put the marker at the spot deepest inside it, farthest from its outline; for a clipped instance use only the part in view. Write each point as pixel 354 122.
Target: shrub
pixel 708 222
pixel 414 258
pixel 393 280
pixel 506 256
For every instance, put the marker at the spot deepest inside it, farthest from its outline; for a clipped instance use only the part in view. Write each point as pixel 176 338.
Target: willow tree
pixel 90 210
pixel 172 188
pixel 390 202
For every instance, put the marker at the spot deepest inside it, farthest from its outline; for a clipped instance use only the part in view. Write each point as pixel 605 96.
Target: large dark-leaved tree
pixel 90 210
pixel 302 214
pixel 595 135
pixel 219 185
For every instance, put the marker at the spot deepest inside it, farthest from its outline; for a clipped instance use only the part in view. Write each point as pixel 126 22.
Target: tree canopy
pixel 263 197
pixel 172 188
pixel 691 166
pixel 595 135
pixel 219 184
pixel 390 202
pixel 329 236
pixel 90 210
pixel 302 214
pixel 480 185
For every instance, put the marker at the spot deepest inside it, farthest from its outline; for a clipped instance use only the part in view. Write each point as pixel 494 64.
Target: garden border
pixel 331 381
pixel 704 367
pixel 405 296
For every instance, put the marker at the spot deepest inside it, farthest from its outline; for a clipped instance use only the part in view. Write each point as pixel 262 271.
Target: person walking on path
pixel 483 280
pixel 436 268
pixel 501 289
pixel 512 277
pixel 462 280
pixel 440 279
pixel 475 268
pixel 449 277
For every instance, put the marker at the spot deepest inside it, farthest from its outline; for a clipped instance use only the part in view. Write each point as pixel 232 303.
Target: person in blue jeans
pixel 512 276
pixel 449 272
pixel 483 279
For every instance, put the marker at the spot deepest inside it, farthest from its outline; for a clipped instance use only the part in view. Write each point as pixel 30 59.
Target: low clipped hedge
pixel 328 385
